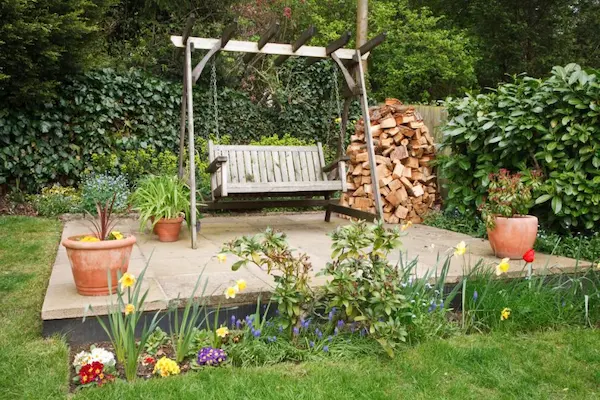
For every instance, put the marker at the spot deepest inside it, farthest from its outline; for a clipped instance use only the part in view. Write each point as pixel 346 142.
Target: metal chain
pixel 213 78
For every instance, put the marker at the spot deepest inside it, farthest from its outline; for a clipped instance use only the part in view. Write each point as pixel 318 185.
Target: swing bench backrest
pixel 271 171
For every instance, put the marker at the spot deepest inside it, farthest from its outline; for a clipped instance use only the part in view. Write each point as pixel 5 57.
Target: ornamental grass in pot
pixel 164 201
pixel 511 231
pixel 93 255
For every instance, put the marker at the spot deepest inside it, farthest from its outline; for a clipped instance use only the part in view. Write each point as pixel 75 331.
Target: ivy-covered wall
pixel 103 112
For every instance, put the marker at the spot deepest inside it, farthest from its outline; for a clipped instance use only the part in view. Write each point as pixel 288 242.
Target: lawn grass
pixel 31 367
pixel 543 365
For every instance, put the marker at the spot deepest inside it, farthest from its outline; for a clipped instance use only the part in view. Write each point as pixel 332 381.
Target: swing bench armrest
pixel 216 164
pixel 334 164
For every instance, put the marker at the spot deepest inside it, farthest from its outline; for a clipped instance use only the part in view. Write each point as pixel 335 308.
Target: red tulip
pixel 529 256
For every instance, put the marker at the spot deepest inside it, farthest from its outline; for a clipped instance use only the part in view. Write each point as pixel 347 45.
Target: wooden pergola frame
pixel 348 60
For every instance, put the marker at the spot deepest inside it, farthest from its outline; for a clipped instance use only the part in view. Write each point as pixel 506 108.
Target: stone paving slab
pixel 173 268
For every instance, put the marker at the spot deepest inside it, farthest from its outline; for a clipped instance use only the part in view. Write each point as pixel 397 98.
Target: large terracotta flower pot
pixel 512 237
pixel 91 261
pixel 168 229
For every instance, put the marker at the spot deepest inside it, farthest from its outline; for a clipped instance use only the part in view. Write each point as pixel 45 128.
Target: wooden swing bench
pixel 273 171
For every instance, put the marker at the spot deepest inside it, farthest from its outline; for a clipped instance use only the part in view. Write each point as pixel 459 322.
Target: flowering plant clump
pixel 98 354
pixel 113 235
pixel 95 367
pixel 210 356
pixel 509 195
pixel 166 367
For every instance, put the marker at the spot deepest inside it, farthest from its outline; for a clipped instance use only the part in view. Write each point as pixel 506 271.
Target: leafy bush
pixel 135 164
pixel 101 189
pixel 551 125
pixel 56 200
pixel 469 223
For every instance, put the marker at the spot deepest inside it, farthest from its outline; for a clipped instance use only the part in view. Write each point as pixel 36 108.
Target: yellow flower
pixel 89 239
pixel 338 120
pixel 406 226
pixel 503 267
pixel 117 235
pixel 504 314
pixel 241 284
pixel 127 280
pixel 222 257
pixel 165 367
pixel 222 331
pixel 231 291
pixel 460 248
pixel 129 308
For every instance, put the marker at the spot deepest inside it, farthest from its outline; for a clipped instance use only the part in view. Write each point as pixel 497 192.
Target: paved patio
pixel 174 267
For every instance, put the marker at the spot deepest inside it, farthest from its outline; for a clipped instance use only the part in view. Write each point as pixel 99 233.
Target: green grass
pixel 551 365
pixel 32 367
pixel 542 365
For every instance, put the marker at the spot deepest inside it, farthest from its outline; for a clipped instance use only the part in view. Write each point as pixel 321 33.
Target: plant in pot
pixel 510 230
pixel 94 254
pixel 164 201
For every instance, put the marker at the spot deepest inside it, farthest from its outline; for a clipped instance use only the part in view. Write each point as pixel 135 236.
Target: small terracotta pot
pixel 168 229
pixel 512 237
pixel 91 261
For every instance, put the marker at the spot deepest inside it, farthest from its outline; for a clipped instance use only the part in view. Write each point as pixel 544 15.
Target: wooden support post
pixel 364 102
pixel 186 34
pixel 191 146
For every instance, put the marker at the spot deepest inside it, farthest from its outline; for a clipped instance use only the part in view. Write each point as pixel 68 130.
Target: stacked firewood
pixel 404 149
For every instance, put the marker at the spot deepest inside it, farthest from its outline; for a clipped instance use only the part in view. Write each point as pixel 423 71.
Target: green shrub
pixel 56 200
pixel 552 125
pixel 468 223
pixel 100 189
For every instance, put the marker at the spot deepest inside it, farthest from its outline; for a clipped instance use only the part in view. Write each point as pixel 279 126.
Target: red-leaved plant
pixel 509 195
pixel 104 224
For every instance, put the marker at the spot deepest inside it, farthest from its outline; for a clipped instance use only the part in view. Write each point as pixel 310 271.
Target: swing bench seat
pixel 270 172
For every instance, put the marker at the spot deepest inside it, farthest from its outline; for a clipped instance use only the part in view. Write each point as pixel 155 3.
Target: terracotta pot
pixel 91 261
pixel 512 237
pixel 168 229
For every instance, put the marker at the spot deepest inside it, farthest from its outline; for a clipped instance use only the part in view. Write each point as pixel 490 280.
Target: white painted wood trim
pixel 270 48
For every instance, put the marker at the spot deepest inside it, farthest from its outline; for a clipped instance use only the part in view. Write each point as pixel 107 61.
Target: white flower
pixel 358 273
pixel 104 356
pixel 81 359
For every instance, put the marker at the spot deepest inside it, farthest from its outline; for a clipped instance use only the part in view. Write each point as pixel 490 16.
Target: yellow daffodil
pixel 89 239
pixel 241 284
pixel 406 226
pixel 503 267
pixel 231 291
pixel 222 257
pixel 222 331
pixel 129 308
pixel 460 248
pixel 127 280
pixel 504 314
pixel 117 235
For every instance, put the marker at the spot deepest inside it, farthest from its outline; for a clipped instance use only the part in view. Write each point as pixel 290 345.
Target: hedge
pixel 105 112
pixel 549 124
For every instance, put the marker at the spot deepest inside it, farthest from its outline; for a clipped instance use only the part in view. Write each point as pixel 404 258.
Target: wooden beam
pixel 270 48
pixel 301 41
pixel 350 83
pixel 228 33
pixel 333 46
pixel 364 102
pixel 264 39
pixel 351 212
pixel 261 204
pixel 191 147
pixel 369 46
pixel 225 38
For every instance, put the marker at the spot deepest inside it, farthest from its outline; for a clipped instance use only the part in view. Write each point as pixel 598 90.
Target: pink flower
pixel 287 11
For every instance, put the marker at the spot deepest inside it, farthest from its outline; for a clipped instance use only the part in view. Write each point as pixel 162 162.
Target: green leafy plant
pixel 183 328
pixel 124 318
pixel 56 200
pixel 291 272
pixel 530 124
pixel 160 197
pixel 364 284
pixel 509 195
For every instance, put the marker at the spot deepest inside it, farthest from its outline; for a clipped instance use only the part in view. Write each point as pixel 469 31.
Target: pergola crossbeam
pixel 332 47
pixel 225 38
pixel 301 41
pixel 264 39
